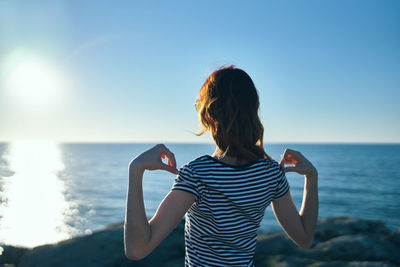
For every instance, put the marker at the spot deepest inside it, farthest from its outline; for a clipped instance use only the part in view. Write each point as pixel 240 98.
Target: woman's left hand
pixel 152 160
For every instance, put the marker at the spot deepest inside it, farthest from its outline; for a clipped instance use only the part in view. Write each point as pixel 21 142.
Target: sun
pixel 33 82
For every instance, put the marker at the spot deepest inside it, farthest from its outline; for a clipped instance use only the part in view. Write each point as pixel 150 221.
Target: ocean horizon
pixel 52 191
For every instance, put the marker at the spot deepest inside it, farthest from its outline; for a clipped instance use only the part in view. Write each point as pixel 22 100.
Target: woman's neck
pixel 218 154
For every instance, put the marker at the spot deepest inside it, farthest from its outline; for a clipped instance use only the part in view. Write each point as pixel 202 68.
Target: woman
pixel 224 196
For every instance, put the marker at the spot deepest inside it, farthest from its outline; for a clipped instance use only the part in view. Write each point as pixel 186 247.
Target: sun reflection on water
pixel 32 199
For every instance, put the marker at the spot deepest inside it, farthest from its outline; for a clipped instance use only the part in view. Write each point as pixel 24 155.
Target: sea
pixel 54 191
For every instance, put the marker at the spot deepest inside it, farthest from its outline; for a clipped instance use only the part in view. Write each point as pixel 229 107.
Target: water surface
pixel 49 191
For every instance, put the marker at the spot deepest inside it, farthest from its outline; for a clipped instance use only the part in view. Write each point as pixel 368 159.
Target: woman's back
pixel 222 224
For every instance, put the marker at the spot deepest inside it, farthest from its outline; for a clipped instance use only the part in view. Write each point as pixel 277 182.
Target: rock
pixel 338 242
pixel 103 248
pixel 270 245
pixel 284 261
pixel 333 227
pixel 351 264
pixel 273 244
pixel 360 247
pixel 395 237
pixel 100 249
pixel 10 255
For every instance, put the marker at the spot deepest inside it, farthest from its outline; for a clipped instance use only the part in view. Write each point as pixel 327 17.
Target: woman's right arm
pixel 299 226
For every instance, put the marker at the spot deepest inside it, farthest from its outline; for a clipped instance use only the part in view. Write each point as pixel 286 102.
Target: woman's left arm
pixel 141 237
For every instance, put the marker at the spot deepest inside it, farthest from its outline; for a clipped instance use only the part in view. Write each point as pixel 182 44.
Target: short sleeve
pixel 282 186
pixel 186 181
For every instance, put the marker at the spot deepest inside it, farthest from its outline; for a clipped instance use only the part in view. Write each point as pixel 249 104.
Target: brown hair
pixel 228 107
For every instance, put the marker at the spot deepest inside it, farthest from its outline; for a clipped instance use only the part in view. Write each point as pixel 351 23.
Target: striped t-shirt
pixel 221 226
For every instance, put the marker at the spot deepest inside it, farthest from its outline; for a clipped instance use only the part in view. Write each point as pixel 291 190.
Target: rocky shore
pixel 338 242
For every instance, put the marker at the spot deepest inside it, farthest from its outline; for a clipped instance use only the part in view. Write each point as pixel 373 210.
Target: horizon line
pixel 202 143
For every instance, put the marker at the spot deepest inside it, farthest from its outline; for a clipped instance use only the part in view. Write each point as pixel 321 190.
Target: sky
pixel 130 71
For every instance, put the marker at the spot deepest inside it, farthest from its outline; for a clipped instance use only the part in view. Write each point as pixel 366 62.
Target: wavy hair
pixel 228 106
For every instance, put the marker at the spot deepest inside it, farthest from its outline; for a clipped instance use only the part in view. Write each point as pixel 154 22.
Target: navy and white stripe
pixel 221 226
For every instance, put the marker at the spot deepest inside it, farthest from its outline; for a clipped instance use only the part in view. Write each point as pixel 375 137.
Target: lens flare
pixel 31 81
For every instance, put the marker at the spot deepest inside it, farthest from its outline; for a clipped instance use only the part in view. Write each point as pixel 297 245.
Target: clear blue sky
pixel 326 71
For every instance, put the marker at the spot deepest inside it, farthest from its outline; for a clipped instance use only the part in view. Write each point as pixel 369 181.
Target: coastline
pixel 340 241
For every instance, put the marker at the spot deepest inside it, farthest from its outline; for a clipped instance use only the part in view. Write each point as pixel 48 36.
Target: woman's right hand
pixel 152 160
pixel 300 164
pixel 299 226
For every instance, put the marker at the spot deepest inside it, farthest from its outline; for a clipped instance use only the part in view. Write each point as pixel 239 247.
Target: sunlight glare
pixel 33 203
